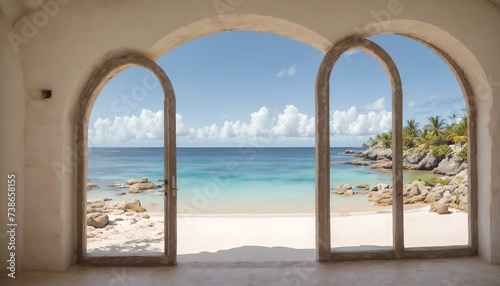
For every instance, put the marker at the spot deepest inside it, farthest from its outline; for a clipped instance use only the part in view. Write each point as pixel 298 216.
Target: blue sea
pixel 235 180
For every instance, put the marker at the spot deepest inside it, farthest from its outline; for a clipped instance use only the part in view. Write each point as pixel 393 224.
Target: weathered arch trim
pixel 323 242
pixel 323 249
pixel 99 77
pixel 239 22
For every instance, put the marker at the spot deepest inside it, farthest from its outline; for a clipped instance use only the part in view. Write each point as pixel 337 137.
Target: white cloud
pixel 290 71
pixel 351 52
pixel 412 103
pixel 350 122
pixel 280 73
pixel 292 123
pixel 148 126
pixel 377 105
pixel 288 125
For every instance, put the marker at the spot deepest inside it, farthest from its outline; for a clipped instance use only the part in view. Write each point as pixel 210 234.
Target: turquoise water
pixel 234 180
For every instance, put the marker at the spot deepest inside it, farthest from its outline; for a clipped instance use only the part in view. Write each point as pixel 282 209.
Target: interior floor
pixel 448 272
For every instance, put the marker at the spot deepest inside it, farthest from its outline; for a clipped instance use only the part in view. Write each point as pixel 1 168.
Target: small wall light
pixel 46 93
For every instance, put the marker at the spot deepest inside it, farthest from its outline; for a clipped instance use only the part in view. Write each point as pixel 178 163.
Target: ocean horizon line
pixel 232 147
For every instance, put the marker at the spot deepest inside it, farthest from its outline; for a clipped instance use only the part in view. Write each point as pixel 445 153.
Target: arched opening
pixel 102 74
pixel 394 195
pixel 166 45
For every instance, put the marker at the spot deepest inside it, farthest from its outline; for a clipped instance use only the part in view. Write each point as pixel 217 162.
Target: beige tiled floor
pixel 447 272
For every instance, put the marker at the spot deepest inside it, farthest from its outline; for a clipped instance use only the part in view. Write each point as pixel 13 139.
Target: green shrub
pixel 432 181
pixel 462 155
pixel 441 150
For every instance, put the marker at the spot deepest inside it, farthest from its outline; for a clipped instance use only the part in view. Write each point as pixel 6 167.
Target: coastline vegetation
pixel 435 137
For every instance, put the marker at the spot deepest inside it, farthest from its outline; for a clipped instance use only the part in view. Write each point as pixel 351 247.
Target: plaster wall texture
pixel 12 111
pixel 80 35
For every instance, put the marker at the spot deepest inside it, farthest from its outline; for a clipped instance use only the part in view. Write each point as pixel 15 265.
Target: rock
pixel 363 186
pixel 130 182
pixel 91 186
pixel 348 193
pixel 145 216
pixel 450 166
pixel 146 186
pixel 341 189
pixel 119 219
pixel 116 185
pixel 442 209
pixel 463 200
pixel 117 212
pixel 381 164
pixel 134 190
pixel 120 193
pixel 134 205
pixel 133 221
pixel 347 152
pixel 97 220
pixel 432 197
pixel 97 205
pixel 378 153
pixel 355 163
pixel 138 186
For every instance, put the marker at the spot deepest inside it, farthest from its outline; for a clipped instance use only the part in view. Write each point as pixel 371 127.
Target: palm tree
pixel 458 132
pixel 386 139
pixel 436 126
pixel 453 118
pixel 410 132
pixel 426 139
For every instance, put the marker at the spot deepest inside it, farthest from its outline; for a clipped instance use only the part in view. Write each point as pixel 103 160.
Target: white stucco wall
pixel 12 110
pixel 61 53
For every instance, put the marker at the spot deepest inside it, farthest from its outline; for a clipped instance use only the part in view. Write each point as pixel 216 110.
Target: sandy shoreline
pixel 212 233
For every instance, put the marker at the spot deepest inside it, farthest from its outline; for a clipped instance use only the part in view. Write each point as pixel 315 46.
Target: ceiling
pixel 15 9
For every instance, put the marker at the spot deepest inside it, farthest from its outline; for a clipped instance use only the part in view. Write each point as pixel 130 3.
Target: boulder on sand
pixel 341 189
pixel 97 220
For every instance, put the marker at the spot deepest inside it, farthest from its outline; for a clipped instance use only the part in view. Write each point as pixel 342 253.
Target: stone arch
pixel 101 75
pixel 239 22
pixel 463 63
pixel 323 137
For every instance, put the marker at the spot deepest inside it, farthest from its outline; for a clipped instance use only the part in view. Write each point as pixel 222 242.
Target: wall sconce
pixel 46 93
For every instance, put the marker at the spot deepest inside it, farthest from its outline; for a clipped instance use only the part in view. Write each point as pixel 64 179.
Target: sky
pixel 256 89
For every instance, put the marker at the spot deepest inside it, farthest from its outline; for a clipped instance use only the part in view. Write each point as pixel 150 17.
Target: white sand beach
pixel 213 233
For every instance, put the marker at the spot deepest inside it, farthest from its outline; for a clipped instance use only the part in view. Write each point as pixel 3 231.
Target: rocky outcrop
pixel 363 186
pixel 453 195
pixel 355 163
pixel 138 186
pixel 450 166
pixel 99 206
pixel 91 186
pixel 378 153
pixel 342 189
pixel 347 152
